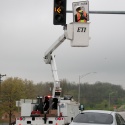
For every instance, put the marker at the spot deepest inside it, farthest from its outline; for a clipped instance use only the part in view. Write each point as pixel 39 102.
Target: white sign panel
pixel 84 6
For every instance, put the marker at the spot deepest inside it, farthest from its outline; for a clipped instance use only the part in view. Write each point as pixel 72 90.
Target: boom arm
pixel 53 47
pixel 49 58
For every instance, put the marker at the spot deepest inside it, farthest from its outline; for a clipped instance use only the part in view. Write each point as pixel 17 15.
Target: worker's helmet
pixel 78 8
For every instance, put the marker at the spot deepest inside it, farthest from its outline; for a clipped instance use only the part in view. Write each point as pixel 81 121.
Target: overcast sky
pixel 27 31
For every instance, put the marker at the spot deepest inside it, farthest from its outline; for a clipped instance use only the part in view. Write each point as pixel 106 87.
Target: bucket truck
pixel 53 110
pixel 56 110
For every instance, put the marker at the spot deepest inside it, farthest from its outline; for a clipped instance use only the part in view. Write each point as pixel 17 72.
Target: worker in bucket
pixel 80 16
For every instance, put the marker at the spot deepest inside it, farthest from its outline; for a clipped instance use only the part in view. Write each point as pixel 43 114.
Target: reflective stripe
pixel 81 21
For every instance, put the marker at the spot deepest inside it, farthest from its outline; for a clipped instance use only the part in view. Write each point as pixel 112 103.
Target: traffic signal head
pixel 59 16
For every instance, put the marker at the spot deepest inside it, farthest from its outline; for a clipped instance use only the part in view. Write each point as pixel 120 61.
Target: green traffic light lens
pixel 59 18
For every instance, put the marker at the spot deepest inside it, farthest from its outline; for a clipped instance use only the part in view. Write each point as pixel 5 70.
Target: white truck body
pixel 67 110
pixel 39 121
pixel 26 109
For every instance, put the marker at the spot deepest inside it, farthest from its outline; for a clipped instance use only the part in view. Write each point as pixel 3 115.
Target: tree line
pixel 92 96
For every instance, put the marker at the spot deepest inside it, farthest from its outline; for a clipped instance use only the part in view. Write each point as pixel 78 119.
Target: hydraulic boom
pixel 49 58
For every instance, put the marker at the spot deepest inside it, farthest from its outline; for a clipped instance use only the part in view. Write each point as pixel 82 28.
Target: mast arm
pixel 102 12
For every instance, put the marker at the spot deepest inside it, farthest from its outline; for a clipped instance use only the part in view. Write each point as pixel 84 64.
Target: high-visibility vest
pixel 79 16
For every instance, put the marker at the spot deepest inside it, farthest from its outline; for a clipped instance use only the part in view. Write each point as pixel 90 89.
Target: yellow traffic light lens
pixel 58 10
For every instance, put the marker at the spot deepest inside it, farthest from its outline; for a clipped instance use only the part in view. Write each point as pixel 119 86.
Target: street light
pixel 110 98
pixel 81 76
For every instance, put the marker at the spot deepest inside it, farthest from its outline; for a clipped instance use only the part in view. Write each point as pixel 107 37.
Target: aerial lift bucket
pixel 78 33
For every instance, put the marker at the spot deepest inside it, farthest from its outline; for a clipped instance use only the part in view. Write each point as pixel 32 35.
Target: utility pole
pixel 110 98
pixel 79 91
pixel 0 83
